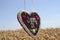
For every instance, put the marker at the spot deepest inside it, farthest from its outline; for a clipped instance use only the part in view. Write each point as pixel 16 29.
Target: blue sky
pixel 48 10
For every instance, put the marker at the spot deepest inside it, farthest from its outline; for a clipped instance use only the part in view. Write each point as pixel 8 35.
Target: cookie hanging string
pixel 32 5
pixel 24 4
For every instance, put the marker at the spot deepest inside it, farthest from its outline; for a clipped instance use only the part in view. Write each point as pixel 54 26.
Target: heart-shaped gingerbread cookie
pixel 30 22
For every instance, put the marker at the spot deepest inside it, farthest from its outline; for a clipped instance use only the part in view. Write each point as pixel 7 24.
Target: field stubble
pixel 45 34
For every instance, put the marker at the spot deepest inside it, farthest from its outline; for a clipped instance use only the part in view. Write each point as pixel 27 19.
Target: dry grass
pixel 45 34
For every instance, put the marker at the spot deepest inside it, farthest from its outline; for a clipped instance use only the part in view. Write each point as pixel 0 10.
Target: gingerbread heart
pixel 30 22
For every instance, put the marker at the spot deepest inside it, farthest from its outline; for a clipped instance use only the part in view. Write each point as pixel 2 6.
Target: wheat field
pixel 45 34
